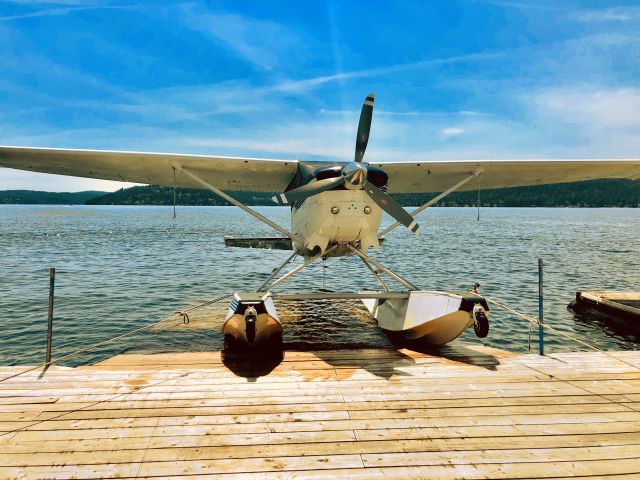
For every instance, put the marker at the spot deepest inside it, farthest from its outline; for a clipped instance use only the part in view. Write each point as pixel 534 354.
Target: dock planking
pixel 463 411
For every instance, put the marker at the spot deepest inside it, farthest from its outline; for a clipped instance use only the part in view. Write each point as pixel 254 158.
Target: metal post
pixel 540 309
pixel 52 279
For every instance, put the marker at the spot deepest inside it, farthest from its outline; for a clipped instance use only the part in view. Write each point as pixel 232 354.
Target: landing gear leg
pixel 381 267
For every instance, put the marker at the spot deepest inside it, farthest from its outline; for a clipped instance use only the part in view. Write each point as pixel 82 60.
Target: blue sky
pixel 279 79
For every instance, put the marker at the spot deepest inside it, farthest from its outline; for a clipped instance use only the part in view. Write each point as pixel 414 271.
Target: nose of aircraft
pixel 354 174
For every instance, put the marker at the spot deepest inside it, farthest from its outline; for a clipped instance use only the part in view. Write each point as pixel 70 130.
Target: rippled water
pixel 122 267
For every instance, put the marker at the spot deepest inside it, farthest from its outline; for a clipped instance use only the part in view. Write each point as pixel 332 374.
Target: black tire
pixel 481 324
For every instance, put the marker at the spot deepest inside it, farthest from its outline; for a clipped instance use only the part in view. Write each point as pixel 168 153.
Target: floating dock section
pixel 625 305
pixel 465 411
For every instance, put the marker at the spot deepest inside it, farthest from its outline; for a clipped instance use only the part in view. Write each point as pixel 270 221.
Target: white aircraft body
pixel 336 210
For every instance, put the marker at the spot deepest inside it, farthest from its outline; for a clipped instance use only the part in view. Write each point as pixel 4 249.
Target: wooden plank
pixel 177 453
pixel 270 438
pixel 538 455
pixel 547 386
pixel 145 398
pixel 310 407
pixel 503 430
pixel 405 421
pixel 497 411
pixel 586 469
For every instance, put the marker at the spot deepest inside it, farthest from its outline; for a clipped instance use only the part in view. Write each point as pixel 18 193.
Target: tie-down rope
pixel 535 321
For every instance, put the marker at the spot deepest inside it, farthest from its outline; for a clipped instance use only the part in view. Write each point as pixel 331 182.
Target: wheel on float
pixel 480 323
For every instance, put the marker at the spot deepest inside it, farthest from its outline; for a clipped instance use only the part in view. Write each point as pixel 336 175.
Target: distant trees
pixel 32 197
pixel 597 193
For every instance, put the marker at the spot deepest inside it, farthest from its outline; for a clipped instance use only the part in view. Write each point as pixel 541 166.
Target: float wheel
pixel 480 323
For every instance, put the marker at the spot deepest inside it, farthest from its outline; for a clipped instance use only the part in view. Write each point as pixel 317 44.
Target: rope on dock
pixel 534 320
pixel 119 337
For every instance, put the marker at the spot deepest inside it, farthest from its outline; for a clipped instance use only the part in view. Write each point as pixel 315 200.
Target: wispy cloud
pixel 310 83
pixel 619 14
pixel 260 42
pixel 56 12
pixel 531 5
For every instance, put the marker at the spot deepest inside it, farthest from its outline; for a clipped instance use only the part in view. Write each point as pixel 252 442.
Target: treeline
pixel 33 197
pixel 597 193
pixel 157 195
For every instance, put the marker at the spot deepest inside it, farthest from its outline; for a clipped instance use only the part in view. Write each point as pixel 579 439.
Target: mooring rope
pixel 534 320
pixel 126 334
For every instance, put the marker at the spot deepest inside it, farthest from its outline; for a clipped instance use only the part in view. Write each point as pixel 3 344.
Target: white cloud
pixel 452 131
pixel 592 121
pixel 604 108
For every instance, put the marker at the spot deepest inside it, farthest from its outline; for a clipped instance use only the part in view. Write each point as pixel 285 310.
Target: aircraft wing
pixel 436 176
pixel 252 174
pixel 226 173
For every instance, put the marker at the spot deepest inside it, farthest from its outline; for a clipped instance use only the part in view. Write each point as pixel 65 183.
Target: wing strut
pixel 435 199
pixel 235 202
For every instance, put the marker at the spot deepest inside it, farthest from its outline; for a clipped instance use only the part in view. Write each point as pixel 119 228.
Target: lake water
pixel 120 267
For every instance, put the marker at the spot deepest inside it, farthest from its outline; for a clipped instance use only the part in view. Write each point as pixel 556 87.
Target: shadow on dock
pixel 457 353
pixel 252 365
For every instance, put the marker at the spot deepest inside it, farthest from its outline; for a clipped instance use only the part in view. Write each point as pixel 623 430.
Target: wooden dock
pixel 465 411
pixel 622 305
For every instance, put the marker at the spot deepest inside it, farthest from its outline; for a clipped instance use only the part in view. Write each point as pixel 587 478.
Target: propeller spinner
pixel 354 177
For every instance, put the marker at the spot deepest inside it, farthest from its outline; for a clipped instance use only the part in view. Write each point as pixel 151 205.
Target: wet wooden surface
pixel 465 411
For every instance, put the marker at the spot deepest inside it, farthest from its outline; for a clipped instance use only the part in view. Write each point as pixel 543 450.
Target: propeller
pixel 364 127
pixel 393 208
pixel 354 177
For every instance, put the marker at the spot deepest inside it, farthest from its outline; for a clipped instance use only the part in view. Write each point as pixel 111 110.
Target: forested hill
pixel 597 193
pixel 33 197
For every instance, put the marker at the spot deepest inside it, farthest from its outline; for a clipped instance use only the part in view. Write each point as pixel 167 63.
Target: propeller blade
pixel 308 190
pixel 392 207
pixel 364 127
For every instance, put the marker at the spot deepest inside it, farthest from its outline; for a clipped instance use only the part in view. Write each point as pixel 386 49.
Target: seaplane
pixel 336 211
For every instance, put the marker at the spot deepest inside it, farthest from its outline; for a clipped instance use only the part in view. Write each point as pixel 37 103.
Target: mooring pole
pixel 540 308
pixel 52 279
